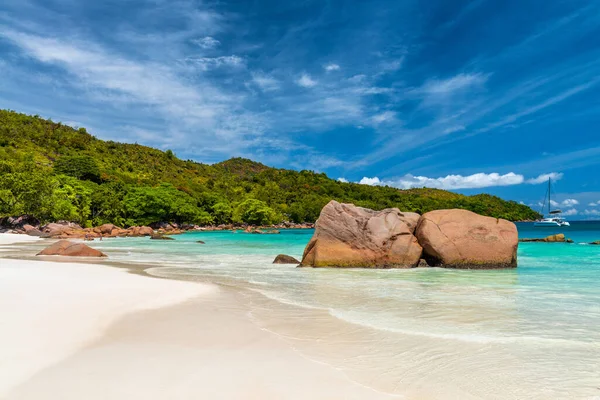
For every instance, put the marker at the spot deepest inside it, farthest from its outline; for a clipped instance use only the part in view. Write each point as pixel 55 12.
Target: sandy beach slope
pixel 84 331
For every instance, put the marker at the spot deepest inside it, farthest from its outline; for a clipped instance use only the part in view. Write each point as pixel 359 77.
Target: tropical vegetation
pixel 55 172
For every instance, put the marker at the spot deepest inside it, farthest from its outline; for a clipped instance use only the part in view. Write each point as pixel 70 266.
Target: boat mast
pixel 549 190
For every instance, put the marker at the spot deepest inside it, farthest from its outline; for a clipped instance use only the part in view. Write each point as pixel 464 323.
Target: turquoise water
pixel 531 332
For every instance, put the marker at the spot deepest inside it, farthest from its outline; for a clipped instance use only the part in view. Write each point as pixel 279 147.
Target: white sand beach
pixel 77 330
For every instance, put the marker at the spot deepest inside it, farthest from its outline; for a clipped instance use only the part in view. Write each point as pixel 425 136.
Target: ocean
pixel 527 333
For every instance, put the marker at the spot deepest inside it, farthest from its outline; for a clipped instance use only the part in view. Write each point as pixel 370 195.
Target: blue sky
pixel 473 96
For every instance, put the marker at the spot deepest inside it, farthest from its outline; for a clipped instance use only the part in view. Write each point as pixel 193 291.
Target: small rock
pixel 423 263
pixel 66 248
pixel 597 242
pixel 559 238
pixel 285 259
pixel 200 241
pixel 161 237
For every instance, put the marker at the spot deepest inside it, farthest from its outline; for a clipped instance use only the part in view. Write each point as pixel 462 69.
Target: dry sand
pixel 84 331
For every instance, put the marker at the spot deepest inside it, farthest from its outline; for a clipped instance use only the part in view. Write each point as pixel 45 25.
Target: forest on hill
pixel 55 172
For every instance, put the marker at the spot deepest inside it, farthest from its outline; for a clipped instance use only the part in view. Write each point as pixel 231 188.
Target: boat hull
pixel 550 224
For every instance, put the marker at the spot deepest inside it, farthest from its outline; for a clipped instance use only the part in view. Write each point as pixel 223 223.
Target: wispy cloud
pixel 101 73
pixel 265 82
pixel 386 116
pixel 207 63
pixel 207 42
pixel 454 84
pixel 543 178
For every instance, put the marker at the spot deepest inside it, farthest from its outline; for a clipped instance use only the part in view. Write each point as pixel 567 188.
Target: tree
pixel 222 212
pixel 255 212
pixel 145 205
pixel 80 167
pixel 71 200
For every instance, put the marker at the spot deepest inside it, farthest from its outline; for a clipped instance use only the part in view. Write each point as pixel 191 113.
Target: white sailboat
pixel 554 218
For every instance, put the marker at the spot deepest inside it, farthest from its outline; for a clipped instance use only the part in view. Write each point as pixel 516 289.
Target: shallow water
pixel 532 332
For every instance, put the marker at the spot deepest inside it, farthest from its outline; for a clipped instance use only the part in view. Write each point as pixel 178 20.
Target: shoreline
pixel 100 325
pixel 410 358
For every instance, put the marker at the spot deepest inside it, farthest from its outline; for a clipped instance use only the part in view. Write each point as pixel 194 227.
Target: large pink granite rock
pixel 350 236
pixel 464 239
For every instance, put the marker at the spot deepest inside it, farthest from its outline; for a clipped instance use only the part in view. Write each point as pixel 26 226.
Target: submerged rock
pixel 597 242
pixel 464 239
pixel 200 241
pixel 161 237
pixel 558 238
pixel 285 259
pixel 66 248
pixel 350 236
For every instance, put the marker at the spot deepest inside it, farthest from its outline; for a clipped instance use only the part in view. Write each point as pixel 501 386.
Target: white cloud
pixel 594 204
pixel 570 212
pixel 456 83
pixel 331 67
pixel 591 212
pixel 344 180
pixel 480 180
pixel 569 202
pixel 207 42
pixel 564 203
pixel 370 181
pixel 306 81
pixel 265 82
pixel 555 176
pixel 207 63
pixel 386 116
pixel 451 182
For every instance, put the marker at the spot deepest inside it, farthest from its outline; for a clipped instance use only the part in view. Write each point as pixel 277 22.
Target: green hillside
pixel 55 172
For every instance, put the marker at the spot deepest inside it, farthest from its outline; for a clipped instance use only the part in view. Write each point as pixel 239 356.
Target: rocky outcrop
pixel 55 229
pixel 258 231
pixel 105 229
pixel 161 237
pixel 558 238
pixel 350 236
pixel 285 259
pixel 464 239
pixel 35 232
pixel 74 231
pixel 19 223
pixel 596 243
pixel 70 249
